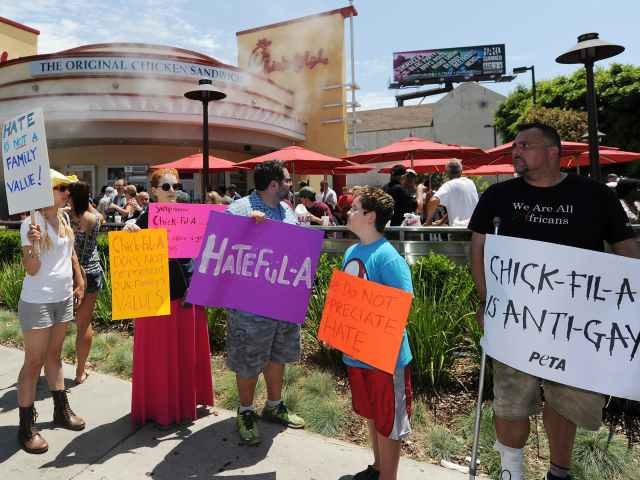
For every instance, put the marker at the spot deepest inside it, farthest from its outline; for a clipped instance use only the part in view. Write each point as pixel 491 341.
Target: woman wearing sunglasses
pixel 46 307
pixel 171 356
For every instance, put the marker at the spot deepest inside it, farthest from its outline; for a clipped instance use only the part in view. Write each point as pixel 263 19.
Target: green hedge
pixel 442 323
pixel 9 245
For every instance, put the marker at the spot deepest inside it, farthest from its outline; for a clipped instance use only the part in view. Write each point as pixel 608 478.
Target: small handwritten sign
pixel 25 161
pixel 263 268
pixel 565 314
pixel 365 320
pixel 185 224
pixel 139 264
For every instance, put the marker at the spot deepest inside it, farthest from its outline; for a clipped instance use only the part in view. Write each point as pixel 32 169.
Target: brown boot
pixel 28 436
pixel 63 416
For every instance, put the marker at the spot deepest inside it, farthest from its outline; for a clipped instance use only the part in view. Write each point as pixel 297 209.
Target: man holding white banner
pixel 545 205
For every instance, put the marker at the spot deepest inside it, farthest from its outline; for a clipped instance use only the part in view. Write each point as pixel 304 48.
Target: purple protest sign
pixel 263 268
pixel 185 224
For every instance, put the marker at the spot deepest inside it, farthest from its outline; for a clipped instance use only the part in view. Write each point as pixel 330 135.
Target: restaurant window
pixel 137 175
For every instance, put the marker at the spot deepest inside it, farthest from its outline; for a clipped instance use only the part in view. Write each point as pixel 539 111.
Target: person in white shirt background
pixel 459 195
pixel 327 195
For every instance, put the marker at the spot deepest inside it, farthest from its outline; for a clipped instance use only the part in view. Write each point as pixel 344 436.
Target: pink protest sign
pixel 185 224
pixel 263 268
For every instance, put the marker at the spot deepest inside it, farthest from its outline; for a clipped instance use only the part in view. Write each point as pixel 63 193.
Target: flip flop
pixel 82 380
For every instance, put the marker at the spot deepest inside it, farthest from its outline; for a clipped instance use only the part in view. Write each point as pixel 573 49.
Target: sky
pixel 534 33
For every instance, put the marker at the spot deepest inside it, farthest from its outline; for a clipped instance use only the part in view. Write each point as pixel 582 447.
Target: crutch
pixel 483 364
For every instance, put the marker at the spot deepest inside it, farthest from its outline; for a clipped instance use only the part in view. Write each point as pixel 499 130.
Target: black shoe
pixel 63 416
pixel 369 474
pixel 550 476
pixel 28 436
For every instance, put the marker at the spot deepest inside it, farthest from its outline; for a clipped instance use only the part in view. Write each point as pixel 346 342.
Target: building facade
pixel 461 117
pixel 113 110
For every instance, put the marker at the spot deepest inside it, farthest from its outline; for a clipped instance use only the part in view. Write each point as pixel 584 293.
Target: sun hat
pixel 58 178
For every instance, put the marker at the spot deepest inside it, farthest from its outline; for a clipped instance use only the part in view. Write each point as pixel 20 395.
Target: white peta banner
pixel 564 314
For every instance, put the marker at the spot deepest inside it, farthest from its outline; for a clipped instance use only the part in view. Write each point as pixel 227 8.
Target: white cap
pixel 411 171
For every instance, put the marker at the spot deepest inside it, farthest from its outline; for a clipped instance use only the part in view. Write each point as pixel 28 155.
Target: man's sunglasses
pixel 167 186
pixel 61 188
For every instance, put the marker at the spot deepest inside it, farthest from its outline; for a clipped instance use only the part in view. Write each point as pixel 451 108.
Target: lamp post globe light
pixel 589 49
pixel 533 78
pixel 205 93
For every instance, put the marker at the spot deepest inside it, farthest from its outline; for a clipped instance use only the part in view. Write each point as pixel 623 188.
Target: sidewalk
pixel 205 449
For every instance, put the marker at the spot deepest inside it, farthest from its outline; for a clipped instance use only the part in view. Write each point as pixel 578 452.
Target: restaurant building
pixel 115 109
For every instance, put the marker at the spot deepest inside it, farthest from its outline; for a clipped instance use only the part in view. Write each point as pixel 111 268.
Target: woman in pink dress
pixel 171 356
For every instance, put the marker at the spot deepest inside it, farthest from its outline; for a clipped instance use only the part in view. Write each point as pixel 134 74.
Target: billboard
pixel 462 64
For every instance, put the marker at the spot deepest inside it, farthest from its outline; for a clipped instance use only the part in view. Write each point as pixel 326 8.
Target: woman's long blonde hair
pixel 64 230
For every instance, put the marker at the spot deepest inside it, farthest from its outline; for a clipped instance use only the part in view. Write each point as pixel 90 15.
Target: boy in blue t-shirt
pixel 383 399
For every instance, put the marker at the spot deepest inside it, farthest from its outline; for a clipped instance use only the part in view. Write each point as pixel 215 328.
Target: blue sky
pixel 534 32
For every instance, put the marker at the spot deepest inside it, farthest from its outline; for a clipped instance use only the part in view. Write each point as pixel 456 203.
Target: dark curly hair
pixel 376 200
pixel 266 172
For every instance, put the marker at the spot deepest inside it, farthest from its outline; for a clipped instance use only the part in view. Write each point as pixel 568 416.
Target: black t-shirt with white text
pixel 577 212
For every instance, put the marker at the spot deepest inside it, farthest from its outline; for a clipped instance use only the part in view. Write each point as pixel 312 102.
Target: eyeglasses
pixel 168 186
pixel 61 188
pixel 528 146
pixel 358 210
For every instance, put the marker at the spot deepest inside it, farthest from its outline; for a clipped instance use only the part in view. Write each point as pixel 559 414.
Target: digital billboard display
pixel 462 64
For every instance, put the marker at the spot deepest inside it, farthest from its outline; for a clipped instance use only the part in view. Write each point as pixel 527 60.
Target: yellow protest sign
pixel 139 274
pixel 365 320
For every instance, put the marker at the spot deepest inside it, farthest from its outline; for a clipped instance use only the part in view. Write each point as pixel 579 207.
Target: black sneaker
pixel 369 474
pixel 550 476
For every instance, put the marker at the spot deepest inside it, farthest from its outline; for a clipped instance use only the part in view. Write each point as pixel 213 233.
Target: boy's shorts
pixel 517 397
pixel 383 398
pixel 253 341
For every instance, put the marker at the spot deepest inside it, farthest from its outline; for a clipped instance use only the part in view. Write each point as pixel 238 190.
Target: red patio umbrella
pixel 193 163
pixel 607 157
pixel 415 147
pixel 347 169
pixel 422 165
pixel 502 153
pixel 494 169
pixel 298 159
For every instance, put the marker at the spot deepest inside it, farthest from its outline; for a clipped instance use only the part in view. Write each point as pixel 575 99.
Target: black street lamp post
pixel 533 78
pixel 589 50
pixel 205 93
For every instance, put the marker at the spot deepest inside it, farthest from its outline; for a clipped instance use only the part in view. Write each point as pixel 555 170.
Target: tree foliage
pixel 618 96
pixel 570 124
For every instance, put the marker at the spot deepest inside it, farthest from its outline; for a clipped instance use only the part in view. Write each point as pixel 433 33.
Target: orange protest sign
pixel 365 320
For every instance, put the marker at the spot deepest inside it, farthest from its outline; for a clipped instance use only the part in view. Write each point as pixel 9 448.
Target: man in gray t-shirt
pixel 258 344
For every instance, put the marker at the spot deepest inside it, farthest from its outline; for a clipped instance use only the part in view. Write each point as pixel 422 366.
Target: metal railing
pixel 411 242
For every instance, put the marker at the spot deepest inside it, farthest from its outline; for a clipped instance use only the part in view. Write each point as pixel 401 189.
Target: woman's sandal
pixel 83 379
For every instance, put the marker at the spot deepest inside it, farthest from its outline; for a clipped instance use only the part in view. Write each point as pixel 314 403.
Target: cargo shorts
pixel 517 397
pixel 253 341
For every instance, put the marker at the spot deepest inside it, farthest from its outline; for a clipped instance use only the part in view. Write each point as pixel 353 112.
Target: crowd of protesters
pixel 171 357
